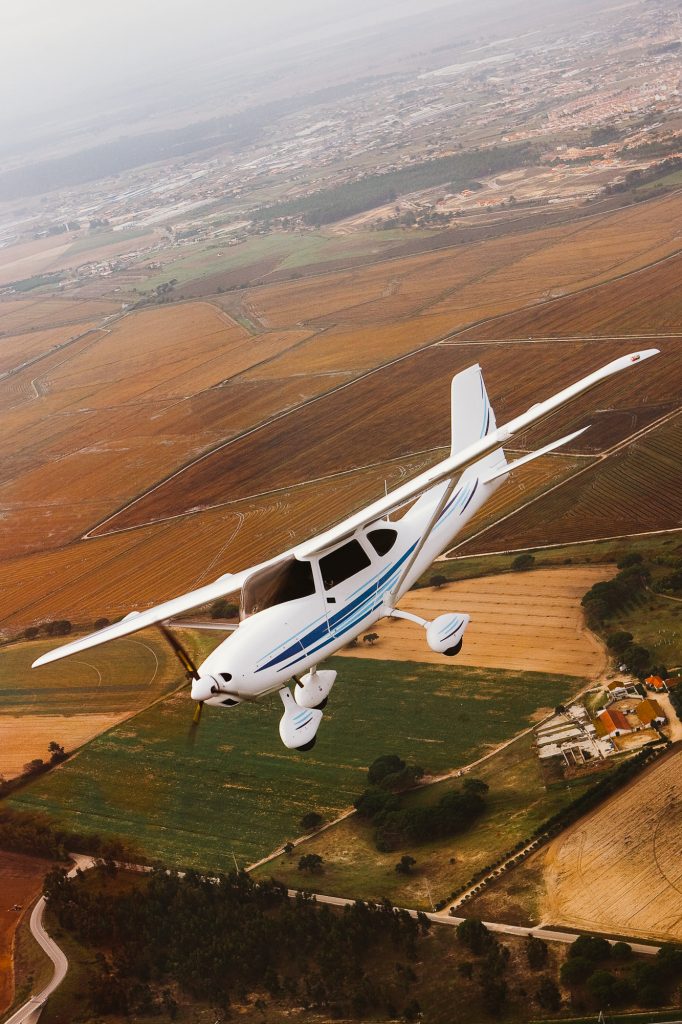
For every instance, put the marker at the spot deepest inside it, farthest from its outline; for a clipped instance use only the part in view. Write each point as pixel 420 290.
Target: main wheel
pixel 309 745
pixel 452 651
pixel 322 705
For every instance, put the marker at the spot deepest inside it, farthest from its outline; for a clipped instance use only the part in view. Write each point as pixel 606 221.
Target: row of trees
pixel 334 204
pixel 35 834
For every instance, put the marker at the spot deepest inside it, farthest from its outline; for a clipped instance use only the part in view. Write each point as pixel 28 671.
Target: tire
pixel 309 745
pixel 322 705
pixel 452 651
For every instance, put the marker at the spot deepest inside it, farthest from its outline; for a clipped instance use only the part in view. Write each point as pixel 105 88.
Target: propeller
pixel 192 674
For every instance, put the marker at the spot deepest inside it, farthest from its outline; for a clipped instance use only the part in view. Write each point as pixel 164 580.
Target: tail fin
pixel 472 414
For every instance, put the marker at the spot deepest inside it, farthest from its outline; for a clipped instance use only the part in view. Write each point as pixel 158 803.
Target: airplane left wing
pixel 224 585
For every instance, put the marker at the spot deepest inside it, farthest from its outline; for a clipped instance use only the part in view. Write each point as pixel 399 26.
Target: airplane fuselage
pixel 272 646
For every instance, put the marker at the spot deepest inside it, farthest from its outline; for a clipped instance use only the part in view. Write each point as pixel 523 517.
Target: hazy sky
pixel 53 52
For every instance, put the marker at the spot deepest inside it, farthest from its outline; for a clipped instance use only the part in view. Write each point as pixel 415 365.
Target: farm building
pixel 571 736
pixel 618 690
pixel 656 683
pixel 613 722
pixel 650 712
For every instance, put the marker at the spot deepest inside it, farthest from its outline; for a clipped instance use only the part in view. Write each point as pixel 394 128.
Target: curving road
pixel 31 1010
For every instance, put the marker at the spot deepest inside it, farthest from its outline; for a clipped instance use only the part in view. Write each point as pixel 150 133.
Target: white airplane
pixel 305 604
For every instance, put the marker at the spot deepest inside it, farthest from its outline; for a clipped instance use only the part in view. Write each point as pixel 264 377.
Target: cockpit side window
pixel 382 539
pixel 284 581
pixel 344 562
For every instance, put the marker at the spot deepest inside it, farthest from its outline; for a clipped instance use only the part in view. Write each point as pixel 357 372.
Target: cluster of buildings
pixel 574 738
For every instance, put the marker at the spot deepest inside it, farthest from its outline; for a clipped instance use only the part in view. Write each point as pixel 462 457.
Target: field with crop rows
pixel 110 575
pixel 404 408
pixel 525 621
pixel 639 860
pixel 646 302
pixel 34 313
pixel 637 489
pixel 238 790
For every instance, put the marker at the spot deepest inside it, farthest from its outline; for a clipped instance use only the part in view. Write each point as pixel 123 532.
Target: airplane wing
pixel 455 464
pixel 466 457
pixel 227 584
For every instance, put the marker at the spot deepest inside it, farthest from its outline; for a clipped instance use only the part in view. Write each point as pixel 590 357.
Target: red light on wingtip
pixel 633 359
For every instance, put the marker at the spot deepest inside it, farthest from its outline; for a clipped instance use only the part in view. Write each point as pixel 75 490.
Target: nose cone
pixel 205 687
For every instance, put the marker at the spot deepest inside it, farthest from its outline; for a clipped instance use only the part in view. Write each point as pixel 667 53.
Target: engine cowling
pixel 444 635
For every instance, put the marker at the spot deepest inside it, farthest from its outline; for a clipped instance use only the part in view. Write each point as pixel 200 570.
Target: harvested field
pixel 24 737
pixel 21 880
pixel 72 702
pixel 646 302
pixel 16 349
pixel 638 489
pixel 403 407
pixel 530 621
pixel 125 407
pixel 639 861
pixel 484 278
pixel 31 314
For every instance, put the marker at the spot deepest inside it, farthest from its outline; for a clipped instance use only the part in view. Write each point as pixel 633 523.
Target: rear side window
pixel 382 540
pixel 343 563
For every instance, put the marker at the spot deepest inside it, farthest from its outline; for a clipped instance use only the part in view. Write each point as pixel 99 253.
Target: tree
pixel 34 766
pixel 370 638
pixel 591 947
pixel 536 952
pixel 548 994
pixel 438 581
pixel 619 641
pixel 405 864
pixel 101 623
pixel 60 627
pixel 627 561
pixel 622 951
pixel 523 562
pixel 31 632
pixel 473 934
pixel 288 848
pixel 576 970
pixel 312 863
pixel 222 609
pixel 477 786
pixel 310 821
pixel 58 754
pixel 638 660
pixel 383 766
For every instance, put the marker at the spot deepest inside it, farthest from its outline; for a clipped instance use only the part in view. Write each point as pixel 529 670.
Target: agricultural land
pixel 237 792
pixel 21 879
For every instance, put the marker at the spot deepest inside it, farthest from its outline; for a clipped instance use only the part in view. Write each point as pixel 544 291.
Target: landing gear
pixel 313 689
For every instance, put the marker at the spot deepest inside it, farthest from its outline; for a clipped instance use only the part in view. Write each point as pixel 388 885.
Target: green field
pixel 516 804
pixel 129 674
pixel 289 249
pixel 240 791
pixel 655 622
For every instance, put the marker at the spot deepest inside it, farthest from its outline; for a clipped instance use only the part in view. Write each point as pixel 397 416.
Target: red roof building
pixel 655 683
pixel 614 722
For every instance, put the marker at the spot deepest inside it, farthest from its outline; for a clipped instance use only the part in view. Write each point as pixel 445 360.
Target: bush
pixel 312 863
pixel 536 952
pixel 591 947
pixel 310 821
pixel 523 562
pixel 576 970
pixel 473 934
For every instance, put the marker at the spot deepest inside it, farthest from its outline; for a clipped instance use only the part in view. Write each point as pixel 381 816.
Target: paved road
pixel 31 1010
pixel 548 934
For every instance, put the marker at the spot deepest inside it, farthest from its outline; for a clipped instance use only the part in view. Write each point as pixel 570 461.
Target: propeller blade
pixel 181 653
pixel 194 724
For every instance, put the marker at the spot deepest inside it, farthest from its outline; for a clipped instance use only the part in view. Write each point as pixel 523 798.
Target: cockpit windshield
pixel 284 581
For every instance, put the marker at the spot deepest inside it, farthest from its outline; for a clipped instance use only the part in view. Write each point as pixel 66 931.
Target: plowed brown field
pixel 21 880
pixel 619 870
pixel 402 408
pixel 636 490
pixel 520 621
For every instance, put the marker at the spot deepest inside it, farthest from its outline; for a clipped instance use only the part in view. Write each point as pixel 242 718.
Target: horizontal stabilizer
pixel 533 455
